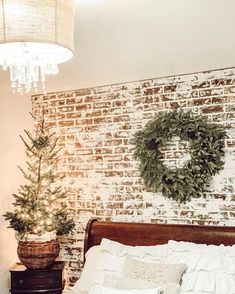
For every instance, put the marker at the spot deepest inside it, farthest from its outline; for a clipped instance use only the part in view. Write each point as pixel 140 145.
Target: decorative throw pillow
pixel 128 284
pixel 153 272
pixel 105 290
pixel 124 283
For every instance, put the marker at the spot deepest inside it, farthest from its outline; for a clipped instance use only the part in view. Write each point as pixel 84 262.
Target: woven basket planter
pixel 35 254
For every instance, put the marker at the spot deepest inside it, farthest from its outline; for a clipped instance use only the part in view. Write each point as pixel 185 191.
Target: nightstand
pixel 30 281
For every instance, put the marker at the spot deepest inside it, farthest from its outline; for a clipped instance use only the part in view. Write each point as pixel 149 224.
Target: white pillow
pixel 155 253
pixel 159 273
pixel 114 255
pixel 211 269
pixel 92 264
pixel 104 290
pixel 109 258
pixel 129 284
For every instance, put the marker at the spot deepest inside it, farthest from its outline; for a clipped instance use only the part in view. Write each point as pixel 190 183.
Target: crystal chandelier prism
pixel 35 36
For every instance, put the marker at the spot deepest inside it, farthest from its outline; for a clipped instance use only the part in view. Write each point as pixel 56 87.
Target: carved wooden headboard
pixel 153 234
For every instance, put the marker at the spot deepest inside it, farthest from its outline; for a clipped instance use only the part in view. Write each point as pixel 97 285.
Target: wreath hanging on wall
pixel 206 149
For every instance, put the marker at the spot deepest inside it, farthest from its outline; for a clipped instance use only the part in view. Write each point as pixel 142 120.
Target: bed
pixel 155 234
pixel 148 235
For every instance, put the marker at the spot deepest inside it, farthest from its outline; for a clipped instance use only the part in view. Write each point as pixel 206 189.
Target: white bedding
pixel 211 269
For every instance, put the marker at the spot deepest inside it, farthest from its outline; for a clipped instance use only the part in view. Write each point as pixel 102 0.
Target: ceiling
pixel 126 40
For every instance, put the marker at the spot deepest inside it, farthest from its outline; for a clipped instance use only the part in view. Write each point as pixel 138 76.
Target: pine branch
pixel 21 169
pixel 39 169
pixel 29 135
pixel 54 145
pixel 27 146
pixel 25 143
pixel 32 115
pixel 31 168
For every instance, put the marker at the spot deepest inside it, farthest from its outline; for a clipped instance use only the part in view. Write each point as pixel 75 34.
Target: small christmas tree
pixel 38 208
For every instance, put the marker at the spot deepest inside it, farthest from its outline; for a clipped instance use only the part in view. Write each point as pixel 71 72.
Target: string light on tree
pixel 39 208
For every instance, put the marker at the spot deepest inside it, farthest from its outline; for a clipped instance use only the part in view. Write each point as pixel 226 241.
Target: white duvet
pixel 211 269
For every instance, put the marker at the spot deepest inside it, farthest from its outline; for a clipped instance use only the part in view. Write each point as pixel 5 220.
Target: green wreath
pixel 206 148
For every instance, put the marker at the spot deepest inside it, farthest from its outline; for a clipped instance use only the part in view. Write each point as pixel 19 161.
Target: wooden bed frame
pixel 154 234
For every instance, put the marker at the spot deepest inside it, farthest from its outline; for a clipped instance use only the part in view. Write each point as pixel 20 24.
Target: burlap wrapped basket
pixel 35 254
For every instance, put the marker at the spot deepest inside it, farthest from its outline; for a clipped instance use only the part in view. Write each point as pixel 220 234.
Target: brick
pixel 137 101
pixel 199 85
pixel 84 122
pixel 146 84
pixel 115 142
pixel 101 105
pixel 121 118
pixel 66 109
pixel 84 152
pixel 94 113
pixel 95 126
pixel 112 158
pixel 167 97
pixel 170 88
pixel 82 107
pixel 76 174
pixel 88 99
pixel 147 99
pixel 121 150
pixel 230 108
pixel 113 173
pixel 148 116
pixel 52 124
pixel 83 92
pixel 229 90
pixel 103 151
pixel 121 134
pixel 102 120
pixel 112 111
pixel 212 109
pixel 57 117
pixel 114 205
pixel 120 103
pixel 73 100
pixel 222 82
pixel 57 102
pixel 73 115
pixel 217 100
pixel 175 105
pixel 122 165
pixel 211 92
pixel 200 101
pixel 102 90
pixel 230 143
pixel 153 91
pixel 91 129
pixel 219 118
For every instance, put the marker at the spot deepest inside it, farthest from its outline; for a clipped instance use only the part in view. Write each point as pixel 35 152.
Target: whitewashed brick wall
pixel 95 126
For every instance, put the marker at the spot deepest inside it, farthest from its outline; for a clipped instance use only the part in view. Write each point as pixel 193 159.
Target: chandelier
pixel 35 36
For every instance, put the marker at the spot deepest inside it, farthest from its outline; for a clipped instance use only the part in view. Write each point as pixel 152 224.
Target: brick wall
pixel 95 126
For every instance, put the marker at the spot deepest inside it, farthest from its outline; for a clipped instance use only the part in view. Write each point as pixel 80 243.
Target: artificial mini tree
pixel 38 205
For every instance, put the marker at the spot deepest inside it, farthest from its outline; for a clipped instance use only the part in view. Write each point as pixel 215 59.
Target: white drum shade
pixel 35 36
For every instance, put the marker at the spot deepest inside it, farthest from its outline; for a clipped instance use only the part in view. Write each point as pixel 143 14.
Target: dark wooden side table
pixel 29 281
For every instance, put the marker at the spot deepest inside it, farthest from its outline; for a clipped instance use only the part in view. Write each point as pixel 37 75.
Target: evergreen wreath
pixel 206 148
